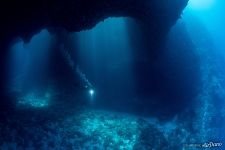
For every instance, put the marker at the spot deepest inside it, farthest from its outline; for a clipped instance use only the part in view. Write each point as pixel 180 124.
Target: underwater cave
pixel 111 75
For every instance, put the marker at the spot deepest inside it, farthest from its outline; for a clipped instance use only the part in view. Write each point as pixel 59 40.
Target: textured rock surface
pixel 82 130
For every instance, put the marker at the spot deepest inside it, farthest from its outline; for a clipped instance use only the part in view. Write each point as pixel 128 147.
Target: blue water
pixel 108 88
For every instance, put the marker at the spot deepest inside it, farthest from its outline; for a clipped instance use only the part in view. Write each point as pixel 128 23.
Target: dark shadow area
pixel 168 77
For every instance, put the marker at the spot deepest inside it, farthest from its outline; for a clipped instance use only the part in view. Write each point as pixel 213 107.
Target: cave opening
pixel 112 66
pixel 93 66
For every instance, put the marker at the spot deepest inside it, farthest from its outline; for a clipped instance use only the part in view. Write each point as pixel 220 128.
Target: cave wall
pixel 25 18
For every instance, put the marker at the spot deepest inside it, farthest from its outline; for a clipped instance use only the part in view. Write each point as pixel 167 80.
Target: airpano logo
pixel 211 144
pixel 204 145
